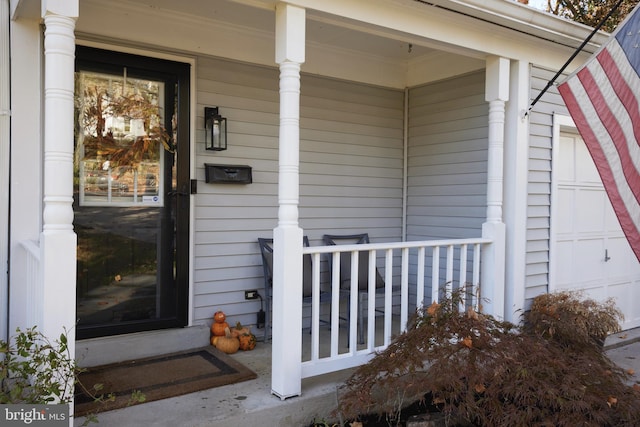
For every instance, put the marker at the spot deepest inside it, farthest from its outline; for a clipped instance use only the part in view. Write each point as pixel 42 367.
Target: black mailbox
pixel 234 174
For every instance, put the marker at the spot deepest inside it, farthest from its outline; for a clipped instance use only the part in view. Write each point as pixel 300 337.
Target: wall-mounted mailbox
pixel 233 174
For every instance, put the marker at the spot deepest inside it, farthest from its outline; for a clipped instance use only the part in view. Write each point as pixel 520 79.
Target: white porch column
pixel 58 241
pixel 286 374
pixel 516 171
pixel 493 265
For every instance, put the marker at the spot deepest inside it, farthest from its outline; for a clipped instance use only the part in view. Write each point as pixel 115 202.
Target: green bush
pixel 35 370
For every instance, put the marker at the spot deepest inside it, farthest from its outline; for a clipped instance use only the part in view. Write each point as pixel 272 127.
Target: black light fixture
pixel 215 130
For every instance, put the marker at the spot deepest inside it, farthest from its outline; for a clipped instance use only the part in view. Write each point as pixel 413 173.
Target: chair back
pixel 266 250
pixel 345 260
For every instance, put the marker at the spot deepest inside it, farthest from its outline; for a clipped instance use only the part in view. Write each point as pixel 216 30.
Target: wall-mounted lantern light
pixel 215 130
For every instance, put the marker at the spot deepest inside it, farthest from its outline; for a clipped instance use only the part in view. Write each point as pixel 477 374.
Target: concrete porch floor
pixel 247 403
pixel 251 403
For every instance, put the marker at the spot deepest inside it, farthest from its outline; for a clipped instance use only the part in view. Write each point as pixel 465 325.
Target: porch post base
pixel 282 396
pixel 493 268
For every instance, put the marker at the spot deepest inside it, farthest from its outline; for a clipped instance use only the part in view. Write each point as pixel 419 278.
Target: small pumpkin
pixel 240 330
pixel 247 342
pixel 217 329
pixel 218 326
pixel 214 340
pixel 219 317
pixel 227 343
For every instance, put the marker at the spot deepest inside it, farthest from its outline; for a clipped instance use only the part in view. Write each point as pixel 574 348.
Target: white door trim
pixel 560 123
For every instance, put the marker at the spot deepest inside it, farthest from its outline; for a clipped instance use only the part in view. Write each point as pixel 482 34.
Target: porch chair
pixel 266 250
pixel 363 272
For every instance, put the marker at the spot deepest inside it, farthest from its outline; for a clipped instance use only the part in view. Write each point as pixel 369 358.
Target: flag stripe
pixel 623 78
pixel 611 124
pixel 610 164
pixel 624 214
pixel 603 97
pixel 605 157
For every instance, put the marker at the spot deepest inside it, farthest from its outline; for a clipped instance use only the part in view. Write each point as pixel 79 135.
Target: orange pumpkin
pixel 247 342
pixel 219 317
pixel 217 329
pixel 240 330
pixel 227 343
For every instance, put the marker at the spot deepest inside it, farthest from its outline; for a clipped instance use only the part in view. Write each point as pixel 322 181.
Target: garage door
pixel 591 253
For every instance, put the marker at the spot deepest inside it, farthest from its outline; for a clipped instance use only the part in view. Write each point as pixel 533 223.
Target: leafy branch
pixel 37 370
pixel 120 149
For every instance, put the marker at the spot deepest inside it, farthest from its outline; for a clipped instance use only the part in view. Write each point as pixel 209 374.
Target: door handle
pixel 606 255
pixel 177 193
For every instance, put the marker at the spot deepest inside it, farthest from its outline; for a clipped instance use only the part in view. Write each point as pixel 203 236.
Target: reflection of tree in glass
pixel 104 119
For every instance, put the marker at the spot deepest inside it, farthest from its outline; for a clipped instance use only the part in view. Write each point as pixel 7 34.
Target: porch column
pixel 286 373
pixel 58 241
pixel 516 156
pixel 493 266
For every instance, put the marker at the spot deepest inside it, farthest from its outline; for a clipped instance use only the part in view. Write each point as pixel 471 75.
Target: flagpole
pixel 577 51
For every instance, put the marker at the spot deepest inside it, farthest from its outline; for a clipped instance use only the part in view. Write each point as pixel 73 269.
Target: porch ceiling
pixel 335 39
pixel 391 43
pixel 321 28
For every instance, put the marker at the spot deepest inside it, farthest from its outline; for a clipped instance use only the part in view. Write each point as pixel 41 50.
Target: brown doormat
pixel 158 378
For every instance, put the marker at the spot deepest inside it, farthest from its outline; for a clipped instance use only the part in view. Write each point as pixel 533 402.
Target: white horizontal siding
pixel 539 183
pixel 447 159
pixel 350 174
pixel 447 163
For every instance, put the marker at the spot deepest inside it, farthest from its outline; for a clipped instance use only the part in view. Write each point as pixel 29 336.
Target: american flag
pixel 603 98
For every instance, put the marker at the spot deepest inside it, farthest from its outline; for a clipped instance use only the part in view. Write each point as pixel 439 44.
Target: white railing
pixel 31 293
pixel 408 269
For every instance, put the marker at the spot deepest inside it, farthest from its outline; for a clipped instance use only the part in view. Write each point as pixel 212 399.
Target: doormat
pixel 158 378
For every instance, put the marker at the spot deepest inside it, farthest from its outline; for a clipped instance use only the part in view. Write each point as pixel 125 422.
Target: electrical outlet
pixel 250 294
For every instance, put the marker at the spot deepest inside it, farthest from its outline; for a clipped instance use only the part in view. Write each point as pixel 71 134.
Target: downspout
pixel 5 152
pixel 405 163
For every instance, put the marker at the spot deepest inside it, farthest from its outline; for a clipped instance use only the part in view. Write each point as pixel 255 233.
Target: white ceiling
pixel 321 29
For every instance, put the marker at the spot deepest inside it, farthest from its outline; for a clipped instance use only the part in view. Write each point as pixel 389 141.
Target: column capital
pixel 70 8
pixel 497 79
pixel 290 33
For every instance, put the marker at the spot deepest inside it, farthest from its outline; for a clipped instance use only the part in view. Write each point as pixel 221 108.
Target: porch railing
pixel 415 274
pixel 29 259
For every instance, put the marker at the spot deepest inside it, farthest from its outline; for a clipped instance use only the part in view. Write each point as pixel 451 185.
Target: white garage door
pixel 591 253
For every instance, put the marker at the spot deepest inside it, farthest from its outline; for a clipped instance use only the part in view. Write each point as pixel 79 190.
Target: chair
pixel 266 249
pixel 363 272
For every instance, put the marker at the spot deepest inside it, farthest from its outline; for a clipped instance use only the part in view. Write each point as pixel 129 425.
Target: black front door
pixel 131 192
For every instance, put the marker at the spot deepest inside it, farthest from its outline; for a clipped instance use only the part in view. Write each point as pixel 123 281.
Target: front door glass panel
pixel 125 207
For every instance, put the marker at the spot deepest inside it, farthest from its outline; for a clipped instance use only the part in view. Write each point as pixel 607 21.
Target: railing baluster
pixel 463 274
pixel 420 278
pixel 388 296
pixel 353 306
pixel 476 276
pixel 371 300
pixel 315 308
pixel 335 302
pixel 435 274
pixel 449 272
pixel 404 290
